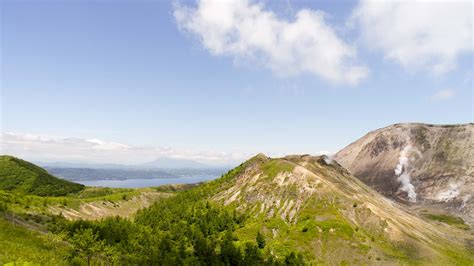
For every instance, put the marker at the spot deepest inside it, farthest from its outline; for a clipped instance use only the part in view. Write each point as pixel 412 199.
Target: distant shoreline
pixel 89 174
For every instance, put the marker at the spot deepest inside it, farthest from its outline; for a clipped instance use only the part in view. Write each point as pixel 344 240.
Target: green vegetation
pixel 91 194
pixel 102 192
pixel 187 229
pixel 86 245
pixel 448 219
pixel 191 226
pixel 190 230
pixel 22 204
pixel 23 245
pixel 274 167
pixel 260 240
pixel 24 177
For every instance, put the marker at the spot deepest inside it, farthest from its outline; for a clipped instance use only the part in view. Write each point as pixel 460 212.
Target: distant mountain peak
pixel 173 163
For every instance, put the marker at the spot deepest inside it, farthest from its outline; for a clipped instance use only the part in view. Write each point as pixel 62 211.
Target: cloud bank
pixel 419 35
pixel 247 32
pixel 41 148
pixel 49 148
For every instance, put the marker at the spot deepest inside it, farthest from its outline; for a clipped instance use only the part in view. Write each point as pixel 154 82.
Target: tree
pixel 3 207
pixel 252 255
pixel 260 240
pixel 85 243
pixel 230 254
pixel 294 259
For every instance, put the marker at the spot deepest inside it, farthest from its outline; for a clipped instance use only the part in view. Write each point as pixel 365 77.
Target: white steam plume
pixel 402 174
pixel 328 159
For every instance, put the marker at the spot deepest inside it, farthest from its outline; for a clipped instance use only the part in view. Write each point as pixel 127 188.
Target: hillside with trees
pixel 294 210
pixel 23 177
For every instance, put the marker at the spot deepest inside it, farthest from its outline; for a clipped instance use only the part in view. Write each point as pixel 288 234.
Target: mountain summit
pixel 315 206
pixel 420 164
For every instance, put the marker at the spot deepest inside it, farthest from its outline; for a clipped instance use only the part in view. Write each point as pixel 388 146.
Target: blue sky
pixel 134 73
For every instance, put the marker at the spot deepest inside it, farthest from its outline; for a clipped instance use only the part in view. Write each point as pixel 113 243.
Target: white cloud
pixel 429 35
pixel 44 148
pixel 247 32
pixel 49 148
pixel 443 95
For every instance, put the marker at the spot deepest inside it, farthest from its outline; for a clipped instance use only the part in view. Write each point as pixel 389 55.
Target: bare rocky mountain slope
pixel 315 206
pixel 422 165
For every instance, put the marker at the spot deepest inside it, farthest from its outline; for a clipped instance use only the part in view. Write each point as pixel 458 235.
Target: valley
pixel 293 210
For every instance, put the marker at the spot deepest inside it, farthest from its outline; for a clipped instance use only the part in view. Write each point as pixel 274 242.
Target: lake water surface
pixel 151 182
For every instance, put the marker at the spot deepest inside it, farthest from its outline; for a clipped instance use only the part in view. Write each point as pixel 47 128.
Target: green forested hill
pixel 287 211
pixel 23 177
pixel 296 210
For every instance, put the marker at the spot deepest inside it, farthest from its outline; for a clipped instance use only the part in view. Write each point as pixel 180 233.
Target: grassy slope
pixel 330 225
pixel 24 177
pixel 122 203
pixel 107 201
pixel 28 193
pixel 22 245
pixel 448 219
pixel 19 244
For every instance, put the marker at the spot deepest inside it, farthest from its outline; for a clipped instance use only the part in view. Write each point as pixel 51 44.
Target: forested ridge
pixel 197 234
pixel 186 229
pixel 287 211
pixel 24 177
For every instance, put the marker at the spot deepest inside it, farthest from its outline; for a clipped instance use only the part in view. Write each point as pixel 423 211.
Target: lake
pixel 149 182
